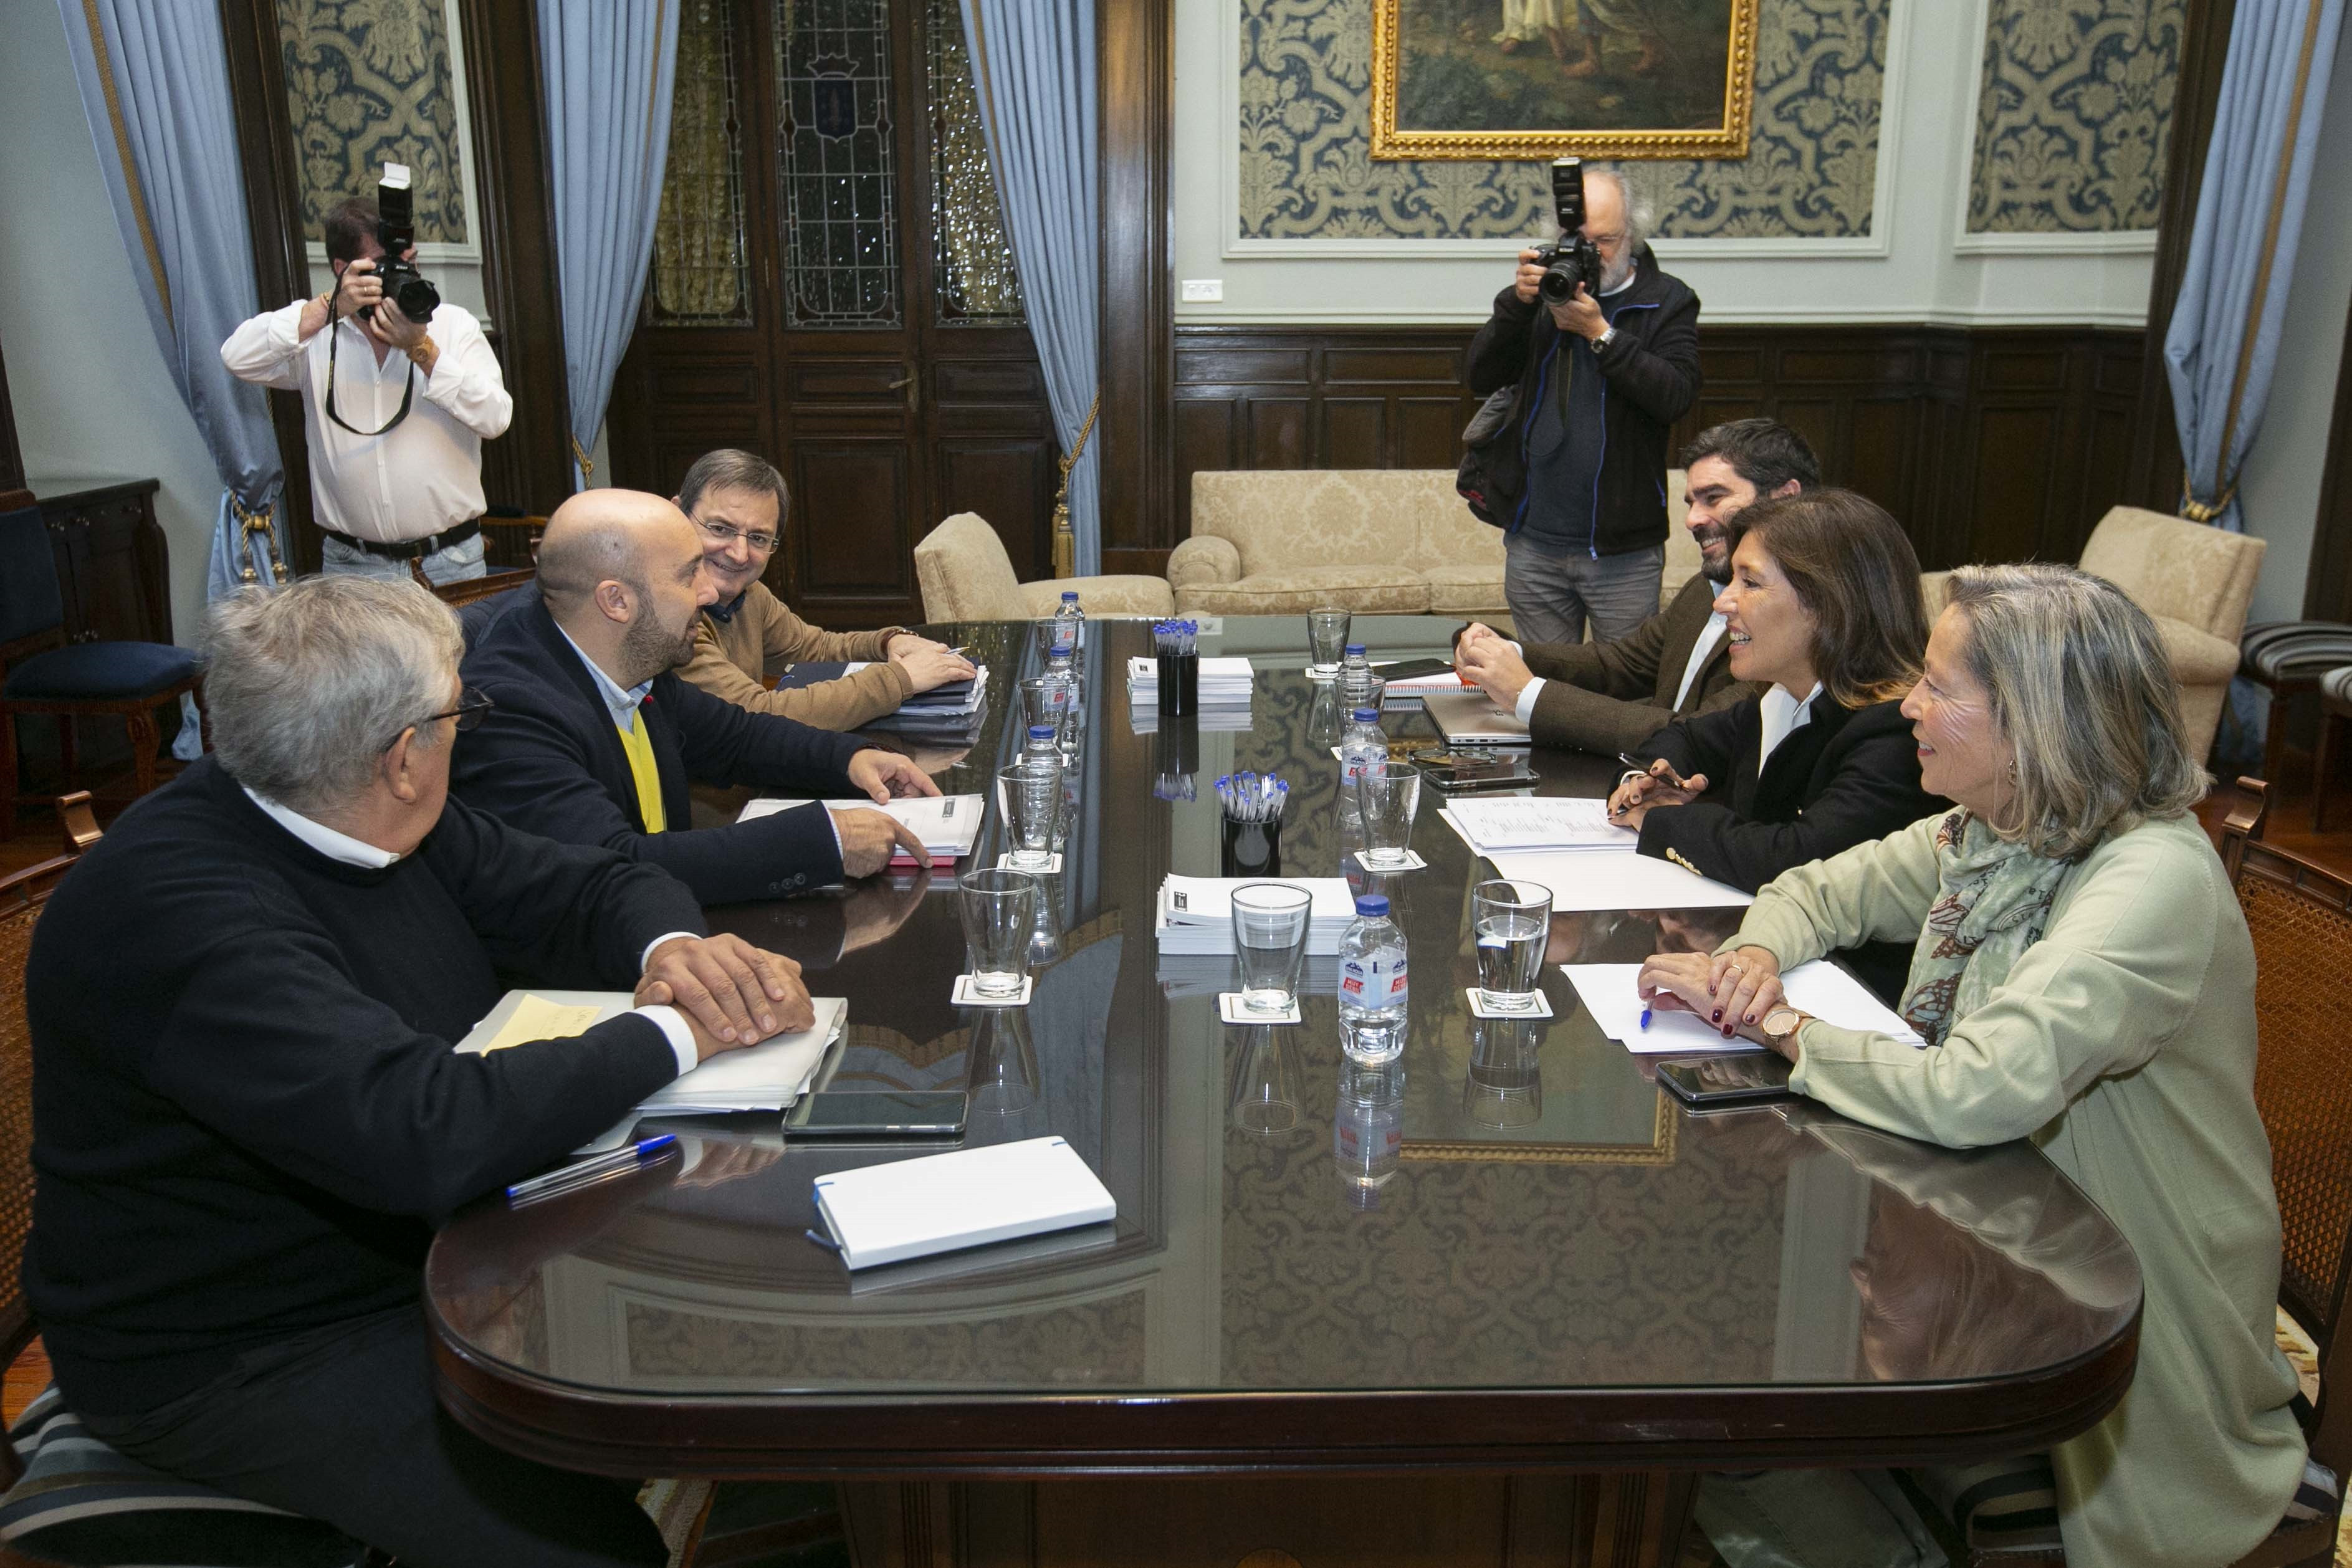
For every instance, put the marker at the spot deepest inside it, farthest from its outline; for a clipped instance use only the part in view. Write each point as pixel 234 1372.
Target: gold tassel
pixel 2196 510
pixel 579 456
pixel 263 522
pixel 1066 538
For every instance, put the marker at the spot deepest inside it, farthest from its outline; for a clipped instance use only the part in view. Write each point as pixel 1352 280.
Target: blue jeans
pixel 1550 595
pixel 454 564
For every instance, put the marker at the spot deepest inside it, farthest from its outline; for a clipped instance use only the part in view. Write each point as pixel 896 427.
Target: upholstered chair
pixel 2195 580
pixel 967 576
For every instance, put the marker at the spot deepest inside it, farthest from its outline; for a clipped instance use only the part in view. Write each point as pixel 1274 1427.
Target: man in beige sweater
pixel 737 501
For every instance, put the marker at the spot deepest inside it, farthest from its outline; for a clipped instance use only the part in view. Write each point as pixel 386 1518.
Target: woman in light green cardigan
pixel 2084 978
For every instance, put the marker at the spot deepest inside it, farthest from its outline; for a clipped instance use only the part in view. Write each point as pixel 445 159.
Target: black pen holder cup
pixel 1178 748
pixel 1180 684
pixel 1252 849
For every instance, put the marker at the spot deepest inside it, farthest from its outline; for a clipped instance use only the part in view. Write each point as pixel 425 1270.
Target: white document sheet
pixel 948 824
pixel 1820 988
pixel 1515 823
pixel 1617 879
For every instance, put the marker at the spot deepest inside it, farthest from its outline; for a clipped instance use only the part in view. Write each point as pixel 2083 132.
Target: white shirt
pixel 352 851
pixel 422 476
pixel 1782 716
pixel 1709 634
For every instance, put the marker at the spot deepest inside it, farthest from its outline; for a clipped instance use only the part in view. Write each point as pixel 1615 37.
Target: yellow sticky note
pixel 537 1018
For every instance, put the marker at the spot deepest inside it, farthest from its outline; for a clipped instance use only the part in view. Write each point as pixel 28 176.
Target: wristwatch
pixel 1608 335
pixel 1780 1025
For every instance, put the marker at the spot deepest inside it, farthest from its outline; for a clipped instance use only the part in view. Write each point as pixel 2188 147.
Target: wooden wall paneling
pixel 1135 50
pixel 2154 473
pixel 273 202
pixel 849 491
pixel 2328 586
pixel 531 466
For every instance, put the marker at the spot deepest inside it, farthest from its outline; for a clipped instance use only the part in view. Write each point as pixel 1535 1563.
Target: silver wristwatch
pixel 1608 335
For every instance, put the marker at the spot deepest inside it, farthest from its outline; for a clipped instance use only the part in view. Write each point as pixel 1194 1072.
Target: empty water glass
pixel 1046 700
pixel 1387 795
pixel 1509 920
pixel 1327 639
pixel 1029 794
pixel 999 909
pixel 1270 923
pixel 1265 1092
pixel 1072 736
pixel 1002 1078
pixel 1505 1085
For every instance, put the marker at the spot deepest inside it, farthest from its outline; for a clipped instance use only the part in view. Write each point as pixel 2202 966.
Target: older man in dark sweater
pixel 248 1112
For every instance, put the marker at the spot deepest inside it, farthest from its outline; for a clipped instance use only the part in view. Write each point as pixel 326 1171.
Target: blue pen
pixel 645 1151
pixel 1645 1017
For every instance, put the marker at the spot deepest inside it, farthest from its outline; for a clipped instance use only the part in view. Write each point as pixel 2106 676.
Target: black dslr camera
pixel 395 230
pixel 1575 259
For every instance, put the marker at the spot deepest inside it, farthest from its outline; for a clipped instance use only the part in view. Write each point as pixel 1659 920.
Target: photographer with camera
pixel 400 392
pixel 1603 347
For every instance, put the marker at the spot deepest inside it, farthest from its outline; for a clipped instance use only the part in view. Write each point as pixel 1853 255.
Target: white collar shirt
pixel 1710 635
pixel 422 476
pixel 1782 716
pixel 619 702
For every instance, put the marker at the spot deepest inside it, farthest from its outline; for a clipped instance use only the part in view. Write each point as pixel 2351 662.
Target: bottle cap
pixel 1041 732
pixel 1353 648
pixel 1367 715
pixel 1373 906
pixel 1069 597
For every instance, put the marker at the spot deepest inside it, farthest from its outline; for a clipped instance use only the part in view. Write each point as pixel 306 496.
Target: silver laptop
pixel 1473 719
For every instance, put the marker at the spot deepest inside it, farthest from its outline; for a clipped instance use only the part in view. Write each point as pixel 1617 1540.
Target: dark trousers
pixel 340 1425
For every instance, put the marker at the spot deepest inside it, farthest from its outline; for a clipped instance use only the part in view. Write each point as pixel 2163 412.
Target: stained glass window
pixel 700 278
pixel 974 278
pixel 835 168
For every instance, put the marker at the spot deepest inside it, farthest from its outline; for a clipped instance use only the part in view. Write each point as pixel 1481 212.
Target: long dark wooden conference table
pixel 1504 1309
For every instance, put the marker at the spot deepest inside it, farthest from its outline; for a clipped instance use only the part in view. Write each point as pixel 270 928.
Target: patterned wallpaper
pixel 368 82
pixel 2072 115
pixel 1307 171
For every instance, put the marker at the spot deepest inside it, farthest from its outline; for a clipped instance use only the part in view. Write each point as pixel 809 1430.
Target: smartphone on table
pixel 1710 1081
pixel 876 1113
pixel 1477 768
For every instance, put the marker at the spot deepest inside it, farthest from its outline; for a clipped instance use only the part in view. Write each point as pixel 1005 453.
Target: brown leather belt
pixel 411 549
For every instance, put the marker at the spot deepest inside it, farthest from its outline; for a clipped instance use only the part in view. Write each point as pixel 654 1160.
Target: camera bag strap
pixel 407 392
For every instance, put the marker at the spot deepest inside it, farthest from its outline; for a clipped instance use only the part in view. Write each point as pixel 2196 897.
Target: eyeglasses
pixel 727 533
pixel 472 707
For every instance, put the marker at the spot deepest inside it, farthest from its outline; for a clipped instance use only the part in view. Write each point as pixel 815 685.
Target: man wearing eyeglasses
pixel 737 501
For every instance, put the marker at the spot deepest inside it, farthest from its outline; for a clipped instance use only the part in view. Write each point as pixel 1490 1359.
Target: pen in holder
pixel 1176 644
pixel 1252 837
pixel 1177 749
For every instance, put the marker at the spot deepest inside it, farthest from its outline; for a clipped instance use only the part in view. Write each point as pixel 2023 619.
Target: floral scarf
pixel 1991 903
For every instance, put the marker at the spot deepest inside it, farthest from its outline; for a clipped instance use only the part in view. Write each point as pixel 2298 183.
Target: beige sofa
pixel 967 576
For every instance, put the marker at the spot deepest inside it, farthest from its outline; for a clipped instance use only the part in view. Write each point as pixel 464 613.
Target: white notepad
pixel 945 1202
pixel 1611 993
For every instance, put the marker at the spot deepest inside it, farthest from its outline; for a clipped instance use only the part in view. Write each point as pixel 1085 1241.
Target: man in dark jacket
pixel 592 739
pixel 1602 381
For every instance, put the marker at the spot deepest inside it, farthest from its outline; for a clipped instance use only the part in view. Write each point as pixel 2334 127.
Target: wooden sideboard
pixel 113 568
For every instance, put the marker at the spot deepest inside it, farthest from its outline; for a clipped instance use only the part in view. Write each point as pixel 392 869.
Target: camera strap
pixel 407 392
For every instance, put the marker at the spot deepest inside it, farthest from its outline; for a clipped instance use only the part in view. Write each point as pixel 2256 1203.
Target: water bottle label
pixel 1373 984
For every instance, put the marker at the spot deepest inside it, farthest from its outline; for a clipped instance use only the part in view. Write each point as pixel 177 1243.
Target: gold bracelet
pixel 422 350
pixel 328 300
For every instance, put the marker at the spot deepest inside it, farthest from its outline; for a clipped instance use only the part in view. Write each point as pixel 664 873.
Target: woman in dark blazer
pixel 1824 611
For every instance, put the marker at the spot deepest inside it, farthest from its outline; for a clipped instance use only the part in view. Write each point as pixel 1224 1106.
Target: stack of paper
pixel 1196 913
pixel 948 824
pixel 1611 993
pixel 1224 682
pixel 1405 693
pixel 768 1076
pixel 1183 974
pixel 1511 826
pixel 944 1203
pixel 952 709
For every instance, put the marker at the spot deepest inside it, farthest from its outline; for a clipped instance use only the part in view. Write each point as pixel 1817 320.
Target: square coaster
pixel 965 996
pixel 1412 862
pixel 1053 867
pixel 1321 677
pixel 1230 1009
pixel 1479 1009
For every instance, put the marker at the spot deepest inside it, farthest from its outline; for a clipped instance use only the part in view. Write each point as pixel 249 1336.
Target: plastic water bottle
pixel 1069 626
pixel 1355 675
pixel 1044 746
pixel 1373 990
pixel 1368 1128
pixel 1364 744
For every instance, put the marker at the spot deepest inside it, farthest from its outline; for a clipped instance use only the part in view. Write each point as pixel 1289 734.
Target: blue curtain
pixel 154 87
pixel 607 67
pixel 1032 65
pixel 2222 345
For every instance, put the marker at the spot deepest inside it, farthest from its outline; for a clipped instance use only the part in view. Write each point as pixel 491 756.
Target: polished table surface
pixel 1512 1252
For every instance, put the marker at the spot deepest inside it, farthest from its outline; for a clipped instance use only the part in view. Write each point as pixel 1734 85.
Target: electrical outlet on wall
pixel 1203 290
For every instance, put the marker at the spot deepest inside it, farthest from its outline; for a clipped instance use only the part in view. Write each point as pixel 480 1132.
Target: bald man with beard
pixel 592 739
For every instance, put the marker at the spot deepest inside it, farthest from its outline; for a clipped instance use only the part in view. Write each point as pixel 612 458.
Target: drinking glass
pixel 1509 921
pixel 1046 700
pixel 999 910
pixel 1029 794
pixel 1505 1085
pixel 1072 736
pixel 1266 1083
pixel 1327 639
pixel 1387 795
pixel 1270 923
pixel 1003 1079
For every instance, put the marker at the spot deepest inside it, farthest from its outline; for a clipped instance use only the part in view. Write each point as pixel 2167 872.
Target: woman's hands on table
pixel 1733 991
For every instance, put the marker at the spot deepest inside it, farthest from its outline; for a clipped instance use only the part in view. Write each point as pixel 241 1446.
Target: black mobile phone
pixel 1458 772
pixel 876 1113
pixel 1727 1080
pixel 1412 668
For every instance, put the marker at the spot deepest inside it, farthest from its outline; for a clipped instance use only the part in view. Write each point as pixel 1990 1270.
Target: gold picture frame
pixel 1392 20
pixel 1658 1151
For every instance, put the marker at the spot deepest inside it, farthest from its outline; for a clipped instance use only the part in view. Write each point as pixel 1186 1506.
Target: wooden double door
pixel 832 289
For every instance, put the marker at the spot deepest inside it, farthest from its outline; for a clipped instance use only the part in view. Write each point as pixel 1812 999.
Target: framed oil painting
pixel 1548 79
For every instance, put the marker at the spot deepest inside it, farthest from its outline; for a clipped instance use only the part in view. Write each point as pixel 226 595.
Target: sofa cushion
pixel 1289 520
pixel 1367 590
pixel 1102 598
pixel 1471 590
pixel 100 670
